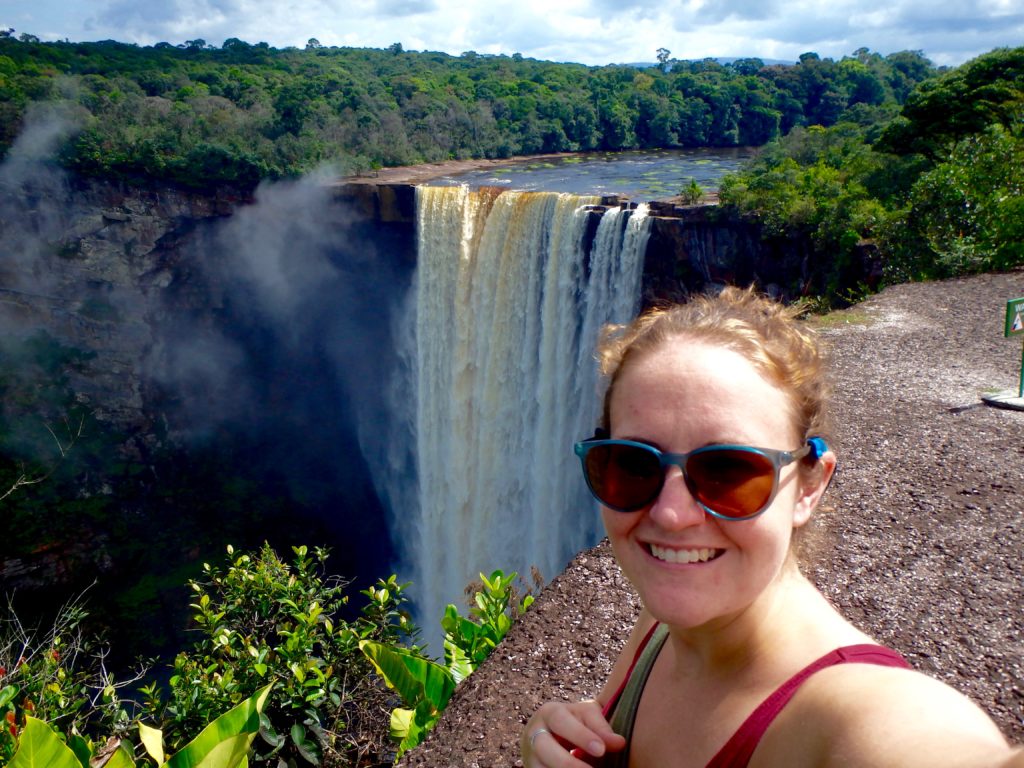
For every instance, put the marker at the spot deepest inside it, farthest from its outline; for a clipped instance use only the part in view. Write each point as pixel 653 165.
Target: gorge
pixel 316 365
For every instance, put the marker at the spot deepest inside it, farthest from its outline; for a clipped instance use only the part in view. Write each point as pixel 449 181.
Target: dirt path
pixel 923 527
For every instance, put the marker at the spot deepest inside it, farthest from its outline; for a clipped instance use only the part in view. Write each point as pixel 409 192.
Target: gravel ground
pixel 921 533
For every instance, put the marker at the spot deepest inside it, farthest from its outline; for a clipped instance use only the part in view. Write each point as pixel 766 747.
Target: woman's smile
pixel 684 556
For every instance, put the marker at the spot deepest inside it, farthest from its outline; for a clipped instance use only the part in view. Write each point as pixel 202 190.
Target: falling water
pixel 508 308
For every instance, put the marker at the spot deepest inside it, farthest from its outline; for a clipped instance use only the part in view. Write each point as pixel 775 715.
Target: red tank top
pixel 737 751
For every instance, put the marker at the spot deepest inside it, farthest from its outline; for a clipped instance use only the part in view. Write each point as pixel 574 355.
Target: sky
pixel 593 32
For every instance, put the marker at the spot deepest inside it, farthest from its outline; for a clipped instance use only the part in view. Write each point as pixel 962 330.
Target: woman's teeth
pixel 683 555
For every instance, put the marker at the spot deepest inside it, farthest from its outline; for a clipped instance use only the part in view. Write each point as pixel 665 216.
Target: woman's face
pixel 689 567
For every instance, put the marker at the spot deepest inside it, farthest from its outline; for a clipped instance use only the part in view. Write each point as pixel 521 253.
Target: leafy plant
pixel 58 676
pixel 423 685
pixel 264 620
pixel 224 743
pixel 692 193
pixel 470 640
pixel 426 686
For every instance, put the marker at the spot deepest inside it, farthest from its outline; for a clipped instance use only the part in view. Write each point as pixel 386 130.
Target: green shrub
pixel 692 193
pixel 264 620
pixel 275 656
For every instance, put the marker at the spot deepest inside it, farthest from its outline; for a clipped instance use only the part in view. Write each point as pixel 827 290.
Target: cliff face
pixel 217 323
pixel 107 268
pixel 90 263
pixel 695 247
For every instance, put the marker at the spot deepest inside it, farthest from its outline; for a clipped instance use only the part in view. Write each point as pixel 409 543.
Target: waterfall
pixel 508 308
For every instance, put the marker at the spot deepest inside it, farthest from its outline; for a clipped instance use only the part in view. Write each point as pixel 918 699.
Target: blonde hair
pixel 765 332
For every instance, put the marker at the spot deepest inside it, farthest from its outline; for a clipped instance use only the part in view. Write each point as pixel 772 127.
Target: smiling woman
pixel 736 658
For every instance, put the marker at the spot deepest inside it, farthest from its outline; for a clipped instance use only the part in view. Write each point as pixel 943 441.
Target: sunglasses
pixel 731 482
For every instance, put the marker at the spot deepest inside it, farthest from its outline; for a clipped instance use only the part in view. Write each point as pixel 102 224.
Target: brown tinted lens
pixel 624 477
pixel 731 482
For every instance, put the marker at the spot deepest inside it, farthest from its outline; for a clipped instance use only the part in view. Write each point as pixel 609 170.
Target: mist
pixel 253 357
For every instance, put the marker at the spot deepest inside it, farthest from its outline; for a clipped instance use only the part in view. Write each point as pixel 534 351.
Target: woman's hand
pixel 563 735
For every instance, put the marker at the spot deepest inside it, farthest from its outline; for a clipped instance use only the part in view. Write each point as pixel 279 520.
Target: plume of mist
pixel 268 331
pixel 32 218
pixel 305 298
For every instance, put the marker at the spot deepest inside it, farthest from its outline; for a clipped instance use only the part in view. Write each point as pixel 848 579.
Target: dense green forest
pixel 937 191
pixel 198 114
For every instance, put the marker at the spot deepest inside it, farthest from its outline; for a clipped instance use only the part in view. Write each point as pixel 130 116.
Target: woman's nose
pixel 675 507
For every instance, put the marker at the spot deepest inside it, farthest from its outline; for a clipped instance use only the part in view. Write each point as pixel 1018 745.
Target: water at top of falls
pixel 509 303
pixel 640 175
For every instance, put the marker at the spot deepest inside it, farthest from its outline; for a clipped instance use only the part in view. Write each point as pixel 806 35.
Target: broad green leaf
pixel 119 758
pixel 40 747
pixel 415 678
pixel 268 733
pixel 308 748
pixel 225 742
pixel 7 694
pixel 459 663
pixel 153 740
pixel 423 719
pixel 82 748
pixel 401 721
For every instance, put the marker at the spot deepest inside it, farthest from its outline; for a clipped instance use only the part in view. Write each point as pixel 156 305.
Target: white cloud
pixel 588 31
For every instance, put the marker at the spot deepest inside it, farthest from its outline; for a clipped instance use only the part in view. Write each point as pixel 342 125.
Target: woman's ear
pixel 814 482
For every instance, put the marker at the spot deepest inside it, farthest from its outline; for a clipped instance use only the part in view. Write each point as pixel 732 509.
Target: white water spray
pixel 508 309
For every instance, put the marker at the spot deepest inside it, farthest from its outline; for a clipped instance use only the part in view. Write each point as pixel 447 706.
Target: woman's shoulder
pixel 871 715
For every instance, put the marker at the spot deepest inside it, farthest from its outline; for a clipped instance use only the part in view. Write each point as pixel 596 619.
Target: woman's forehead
pixel 693 375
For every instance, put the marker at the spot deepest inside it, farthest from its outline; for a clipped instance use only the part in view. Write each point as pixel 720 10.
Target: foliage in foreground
pixel 58 676
pixel 275 654
pixel 424 685
pixel 224 743
pixel 265 620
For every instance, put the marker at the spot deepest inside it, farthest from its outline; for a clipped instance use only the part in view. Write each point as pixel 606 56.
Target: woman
pixel 711 458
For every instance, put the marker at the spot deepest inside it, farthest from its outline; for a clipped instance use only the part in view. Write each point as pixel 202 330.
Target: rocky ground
pixel 921 533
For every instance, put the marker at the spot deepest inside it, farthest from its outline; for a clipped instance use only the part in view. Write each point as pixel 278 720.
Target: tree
pixel 747 66
pixel 987 90
pixel 664 60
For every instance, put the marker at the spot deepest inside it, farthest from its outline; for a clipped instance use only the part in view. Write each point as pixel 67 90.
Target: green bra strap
pixel 624 715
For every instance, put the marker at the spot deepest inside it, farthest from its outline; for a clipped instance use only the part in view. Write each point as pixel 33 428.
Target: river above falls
pixel 640 175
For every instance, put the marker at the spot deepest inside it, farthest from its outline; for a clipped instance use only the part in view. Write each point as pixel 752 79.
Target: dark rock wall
pixel 698 247
pixel 186 347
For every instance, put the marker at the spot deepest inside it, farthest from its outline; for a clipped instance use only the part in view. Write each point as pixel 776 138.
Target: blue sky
pixel 586 31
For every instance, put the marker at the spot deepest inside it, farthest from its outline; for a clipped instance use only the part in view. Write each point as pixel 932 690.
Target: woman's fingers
pixel 562 735
pixel 594 719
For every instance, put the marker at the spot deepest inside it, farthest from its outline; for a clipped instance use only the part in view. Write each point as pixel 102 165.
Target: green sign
pixel 1014 317
pixel 1015 326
